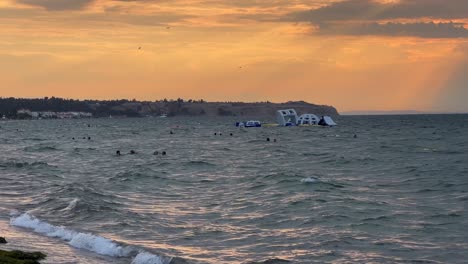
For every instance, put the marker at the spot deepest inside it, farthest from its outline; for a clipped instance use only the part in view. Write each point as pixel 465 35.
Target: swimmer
pixel 215 134
pixel 156 153
pixel 268 139
pixel 132 152
pixel 117 153
pixel 171 132
pixel 164 153
pixel 73 138
pixel 231 134
pixel 89 138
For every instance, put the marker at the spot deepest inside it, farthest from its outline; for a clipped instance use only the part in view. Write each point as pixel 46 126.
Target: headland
pixel 49 108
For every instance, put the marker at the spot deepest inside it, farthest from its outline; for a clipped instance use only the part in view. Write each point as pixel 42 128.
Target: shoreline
pixel 23 240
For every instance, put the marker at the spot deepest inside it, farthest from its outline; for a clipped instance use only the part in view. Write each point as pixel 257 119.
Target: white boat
pixel 250 123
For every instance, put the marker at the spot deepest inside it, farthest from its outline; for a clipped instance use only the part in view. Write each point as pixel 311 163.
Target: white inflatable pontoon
pixel 326 121
pixel 307 120
pixel 286 117
pixel 250 123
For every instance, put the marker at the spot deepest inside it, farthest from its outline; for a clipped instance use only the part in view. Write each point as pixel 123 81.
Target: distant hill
pixel 132 108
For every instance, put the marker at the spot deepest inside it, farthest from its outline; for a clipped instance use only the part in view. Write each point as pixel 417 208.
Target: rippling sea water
pixel 398 193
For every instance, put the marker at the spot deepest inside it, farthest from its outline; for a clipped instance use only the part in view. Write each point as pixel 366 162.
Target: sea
pixel 374 189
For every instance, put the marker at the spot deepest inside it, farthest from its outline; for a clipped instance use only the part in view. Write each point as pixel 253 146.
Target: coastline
pixel 52 108
pixel 55 250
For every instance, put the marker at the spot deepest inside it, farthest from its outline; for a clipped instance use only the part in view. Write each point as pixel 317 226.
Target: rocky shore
pixel 18 256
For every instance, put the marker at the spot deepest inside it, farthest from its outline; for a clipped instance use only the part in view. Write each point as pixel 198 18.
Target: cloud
pixel 57 4
pixel 369 17
pixel 372 10
pixel 422 30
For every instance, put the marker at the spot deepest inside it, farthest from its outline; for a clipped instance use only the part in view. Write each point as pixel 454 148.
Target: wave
pixel 310 180
pixel 271 261
pixel 71 205
pixel 87 241
pixel 199 163
pixel 40 148
pixel 24 164
pixel 147 258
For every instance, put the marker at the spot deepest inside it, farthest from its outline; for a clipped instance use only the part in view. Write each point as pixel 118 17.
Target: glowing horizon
pixel 353 54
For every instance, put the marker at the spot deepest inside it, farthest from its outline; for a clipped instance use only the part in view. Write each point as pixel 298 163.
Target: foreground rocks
pixel 20 257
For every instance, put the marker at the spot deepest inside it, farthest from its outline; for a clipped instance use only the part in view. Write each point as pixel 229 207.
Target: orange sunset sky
pixel 352 54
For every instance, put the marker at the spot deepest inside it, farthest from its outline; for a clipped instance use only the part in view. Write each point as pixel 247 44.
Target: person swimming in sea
pixel 118 153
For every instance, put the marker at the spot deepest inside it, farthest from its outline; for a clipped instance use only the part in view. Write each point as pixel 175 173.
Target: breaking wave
pixel 87 241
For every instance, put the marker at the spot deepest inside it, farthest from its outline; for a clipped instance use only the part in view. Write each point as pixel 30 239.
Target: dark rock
pixel 3 240
pixel 20 257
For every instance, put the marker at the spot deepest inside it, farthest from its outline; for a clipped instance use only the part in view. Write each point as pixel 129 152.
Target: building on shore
pixel 25 113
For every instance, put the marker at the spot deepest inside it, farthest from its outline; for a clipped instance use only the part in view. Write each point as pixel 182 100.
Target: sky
pixel 353 54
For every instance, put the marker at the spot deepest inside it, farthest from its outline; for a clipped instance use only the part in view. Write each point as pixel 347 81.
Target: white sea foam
pixel 97 244
pixel 71 205
pixel 147 258
pixel 309 180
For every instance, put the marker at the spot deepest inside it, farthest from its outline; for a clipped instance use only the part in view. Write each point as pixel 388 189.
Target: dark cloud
pixel 57 4
pixel 422 30
pixel 372 10
pixel 363 17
